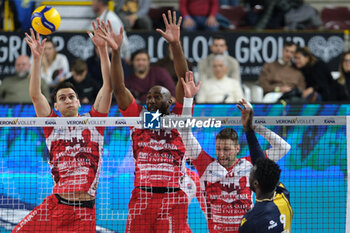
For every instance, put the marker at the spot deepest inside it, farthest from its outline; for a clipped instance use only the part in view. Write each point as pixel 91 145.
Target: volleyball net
pixel 314 170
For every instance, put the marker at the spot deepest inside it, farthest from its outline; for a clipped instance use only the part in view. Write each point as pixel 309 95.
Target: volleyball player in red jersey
pixel 224 180
pixel 75 152
pixel 157 203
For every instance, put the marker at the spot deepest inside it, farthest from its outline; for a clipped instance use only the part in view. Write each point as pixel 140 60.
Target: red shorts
pixel 54 216
pixel 157 212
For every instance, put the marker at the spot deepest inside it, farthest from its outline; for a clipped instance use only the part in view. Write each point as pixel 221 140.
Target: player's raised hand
pixel 95 36
pixel 172 29
pixel 246 114
pixel 190 87
pixel 106 32
pixel 34 43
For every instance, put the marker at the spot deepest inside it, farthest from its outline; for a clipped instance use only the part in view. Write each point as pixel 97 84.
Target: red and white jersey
pixel 158 154
pixel 75 155
pixel 227 191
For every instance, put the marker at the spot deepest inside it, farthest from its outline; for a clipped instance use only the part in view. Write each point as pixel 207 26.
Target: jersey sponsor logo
pixel 73 151
pixel 272 225
pixel 227 219
pixel 158 145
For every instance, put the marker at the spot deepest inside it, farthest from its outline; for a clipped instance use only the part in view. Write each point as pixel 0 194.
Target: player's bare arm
pixel 104 96
pixel 121 93
pixel 41 105
pixel 193 148
pixel 172 35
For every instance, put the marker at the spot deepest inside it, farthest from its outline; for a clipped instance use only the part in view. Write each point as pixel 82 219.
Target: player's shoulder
pixel 281 189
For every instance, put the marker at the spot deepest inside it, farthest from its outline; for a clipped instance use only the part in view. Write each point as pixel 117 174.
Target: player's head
pixel 158 98
pixel 288 51
pixel 66 99
pixel 219 45
pixel 140 61
pixel 227 147
pixel 50 50
pixel 264 176
pixel 22 66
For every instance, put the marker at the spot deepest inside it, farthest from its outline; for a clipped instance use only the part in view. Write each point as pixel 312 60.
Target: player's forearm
pixel 117 73
pixel 193 148
pixel 105 67
pixel 35 80
pixel 121 93
pixel 180 66
pixel 104 96
pixel 254 146
pixel 279 146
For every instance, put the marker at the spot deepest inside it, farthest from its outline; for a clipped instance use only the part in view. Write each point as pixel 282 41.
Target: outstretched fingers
pixel 165 19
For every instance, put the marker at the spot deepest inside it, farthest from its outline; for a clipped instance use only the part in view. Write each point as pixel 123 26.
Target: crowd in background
pixel 296 77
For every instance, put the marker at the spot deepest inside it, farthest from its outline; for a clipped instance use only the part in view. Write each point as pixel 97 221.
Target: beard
pixel 23 74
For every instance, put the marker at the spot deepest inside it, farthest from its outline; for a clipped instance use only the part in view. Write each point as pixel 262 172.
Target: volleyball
pixel 45 20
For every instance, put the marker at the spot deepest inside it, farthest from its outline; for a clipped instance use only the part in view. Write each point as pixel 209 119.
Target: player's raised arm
pixel 193 148
pixel 247 122
pixel 279 146
pixel 172 35
pixel 104 97
pixel 121 93
pixel 41 104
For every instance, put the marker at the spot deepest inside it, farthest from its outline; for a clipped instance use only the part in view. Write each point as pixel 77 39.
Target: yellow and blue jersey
pixel 269 216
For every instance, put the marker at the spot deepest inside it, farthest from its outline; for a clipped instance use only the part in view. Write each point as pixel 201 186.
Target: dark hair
pixel 79 66
pixel 228 133
pixel 307 53
pixel 219 37
pixel 139 51
pixel 104 2
pixel 63 85
pixel 267 173
pixel 341 79
pixel 288 44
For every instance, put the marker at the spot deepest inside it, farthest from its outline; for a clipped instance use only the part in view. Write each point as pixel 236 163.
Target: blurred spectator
pixel 23 12
pixel 133 13
pixel 279 77
pixel 229 2
pixel 199 14
pixel 219 88
pixel 218 47
pixel 343 87
pixel 94 64
pixel 145 77
pixel 168 64
pixel 87 88
pixel 54 65
pixel 15 89
pixel 320 84
pixel 302 16
pixel 270 13
pixel 100 7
